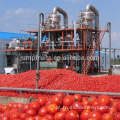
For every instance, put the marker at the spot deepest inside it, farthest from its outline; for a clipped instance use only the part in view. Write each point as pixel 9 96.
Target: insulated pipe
pixel 55 9
pixel 92 8
pixel 39 44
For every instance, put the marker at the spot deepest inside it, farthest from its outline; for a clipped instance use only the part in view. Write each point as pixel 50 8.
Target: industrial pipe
pixel 39 44
pixel 62 91
pixel 92 8
pixel 55 9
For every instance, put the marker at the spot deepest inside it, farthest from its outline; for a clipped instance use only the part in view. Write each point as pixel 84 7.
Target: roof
pixel 8 35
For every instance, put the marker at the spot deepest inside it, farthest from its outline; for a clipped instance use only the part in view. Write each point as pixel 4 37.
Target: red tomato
pixel 52 108
pixel 23 116
pixel 106 116
pixel 85 101
pixel 14 110
pixel 37 117
pixel 42 101
pixel 31 112
pixel 77 106
pixel 104 100
pixel 94 114
pixel 78 97
pixel 62 95
pixel 84 115
pixel 5 118
pixel 48 102
pixel 91 100
pixel 103 109
pixel 42 111
pixel 14 115
pixel 30 118
pixel 57 100
pixel 35 106
pixel 25 107
pixel 44 118
pixel 118 107
pixel 68 101
pixel 15 105
pixel 59 116
pixel 20 105
pixel 72 115
pixel 94 104
pixel 112 109
pixel 10 105
pixel 116 115
pixel 49 116
pixel 64 109
pixel 5 108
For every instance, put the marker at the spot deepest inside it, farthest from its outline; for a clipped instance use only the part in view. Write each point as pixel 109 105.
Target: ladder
pixel 91 52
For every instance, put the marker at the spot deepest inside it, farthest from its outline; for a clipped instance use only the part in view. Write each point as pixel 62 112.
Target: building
pixel 5 38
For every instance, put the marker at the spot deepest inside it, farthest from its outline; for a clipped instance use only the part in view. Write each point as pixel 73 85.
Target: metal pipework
pixel 39 44
pixel 55 9
pixel 62 91
pixel 92 8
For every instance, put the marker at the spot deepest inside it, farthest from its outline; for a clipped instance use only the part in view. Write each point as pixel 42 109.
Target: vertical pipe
pixel 105 59
pixel 39 44
pixel 75 33
pixel 114 57
pixel 62 39
pixel 17 62
pixel 84 66
pixel 72 39
pixel 99 60
pixel 30 59
pixel 109 29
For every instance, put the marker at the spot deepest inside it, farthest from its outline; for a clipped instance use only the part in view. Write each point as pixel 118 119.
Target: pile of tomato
pixel 59 79
pixel 64 107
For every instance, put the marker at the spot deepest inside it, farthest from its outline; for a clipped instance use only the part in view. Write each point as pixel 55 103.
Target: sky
pixel 21 15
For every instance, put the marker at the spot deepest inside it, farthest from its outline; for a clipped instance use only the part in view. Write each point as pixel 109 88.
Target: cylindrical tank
pixel 87 19
pixel 55 17
pixel 53 21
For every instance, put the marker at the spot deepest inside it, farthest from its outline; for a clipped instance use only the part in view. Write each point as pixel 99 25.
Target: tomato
pixel 57 100
pixel 62 95
pixel 77 97
pixel 35 106
pixel 64 109
pixel 30 118
pixel 31 112
pixel 5 118
pixel 91 100
pixel 20 105
pixel 15 105
pixel 5 108
pixel 44 118
pixel 85 101
pixel 42 111
pixel 106 116
pixel 112 109
pixel 104 100
pixel 49 116
pixel 25 107
pixel 14 115
pixel 59 116
pixel 84 115
pixel 10 105
pixel 42 101
pixel 103 109
pixel 37 117
pixel 68 101
pixel 72 115
pixel 94 114
pixel 94 104
pixel 118 107
pixel 52 108
pixel 77 106
pixel 116 115
pixel 23 116
pixel 48 102
pixel 14 110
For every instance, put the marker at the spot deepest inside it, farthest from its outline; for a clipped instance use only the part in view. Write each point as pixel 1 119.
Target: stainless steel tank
pixel 87 19
pixel 53 21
